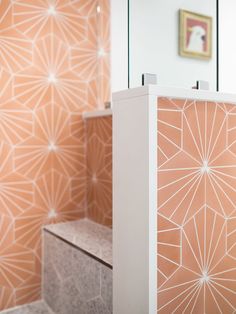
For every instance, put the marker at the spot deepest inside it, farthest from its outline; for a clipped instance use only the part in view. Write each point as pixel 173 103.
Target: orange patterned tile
pixel 15 50
pixel 77 127
pixel 52 198
pixel 99 183
pixel 84 57
pixel 173 104
pixel 99 169
pixel 104 51
pixel 7 298
pixel 78 190
pixel 6 231
pixel 51 146
pixel 38 18
pixel 6 19
pixel 197 197
pixel 85 7
pixel 16 194
pixel 16 265
pixel 6 86
pixel 231 234
pixel 16 122
pixel 29 291
pixel 169 133
pixel 50 78
pixel 168 238
pixel 50 74
pixel 93 87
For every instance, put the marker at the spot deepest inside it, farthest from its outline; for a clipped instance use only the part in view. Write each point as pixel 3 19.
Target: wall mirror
pixel 153 44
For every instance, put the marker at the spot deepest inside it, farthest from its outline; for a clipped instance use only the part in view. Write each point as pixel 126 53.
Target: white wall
pixel 119 45
pixel 227 45
pixel 154 43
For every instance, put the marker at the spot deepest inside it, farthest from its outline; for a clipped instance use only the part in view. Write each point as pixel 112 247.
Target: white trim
pixel 119 45
pixel 152 206
pixel 163 91
pixel 135 205
pixel 97 113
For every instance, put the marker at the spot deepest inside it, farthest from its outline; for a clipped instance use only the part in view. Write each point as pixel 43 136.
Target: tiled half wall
pixel 54 65
pixel 197 207
pixel 197 202
pixel 197 198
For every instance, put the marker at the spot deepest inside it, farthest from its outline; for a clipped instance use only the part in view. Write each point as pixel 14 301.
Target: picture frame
pixel 195 35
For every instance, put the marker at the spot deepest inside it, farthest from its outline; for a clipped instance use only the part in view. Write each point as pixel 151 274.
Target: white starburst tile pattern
pixel 104 51
pixel 197 207
pixel 51 146
pixel 34 19
pixel 30 290
pixel 16 122
pixel 15 47
pixel 50 78
pixel 84 57
pixel 6 91
pixel 99 169
pixel 16 191
pixel 7 297
pixel 49 75
pixel 52 204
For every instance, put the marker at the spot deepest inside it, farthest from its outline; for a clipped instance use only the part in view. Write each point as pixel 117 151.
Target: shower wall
pixel 54 65
pixel 99 169
pixel 196 206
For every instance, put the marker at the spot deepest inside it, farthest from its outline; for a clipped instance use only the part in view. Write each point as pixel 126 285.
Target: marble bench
pixel 77 268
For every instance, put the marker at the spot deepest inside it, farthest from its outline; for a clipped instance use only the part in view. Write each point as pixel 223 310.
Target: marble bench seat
pixel 77 271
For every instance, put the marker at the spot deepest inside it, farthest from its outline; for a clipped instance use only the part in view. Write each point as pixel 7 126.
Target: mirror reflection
pixel 182 42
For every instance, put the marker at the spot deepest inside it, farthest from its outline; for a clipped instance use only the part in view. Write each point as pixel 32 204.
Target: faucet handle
pixel 203 85
pixel 149 78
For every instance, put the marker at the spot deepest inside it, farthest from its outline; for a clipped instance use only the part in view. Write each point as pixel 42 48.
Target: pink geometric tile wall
pixel 54 64
pixel 99 169
pixel 197 207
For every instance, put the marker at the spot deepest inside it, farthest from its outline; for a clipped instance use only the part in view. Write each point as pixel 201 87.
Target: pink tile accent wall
pixel 54 64
pixel 99 169
pixel 197 207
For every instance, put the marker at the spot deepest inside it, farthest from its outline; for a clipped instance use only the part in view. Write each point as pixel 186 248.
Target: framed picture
pixel 195 35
